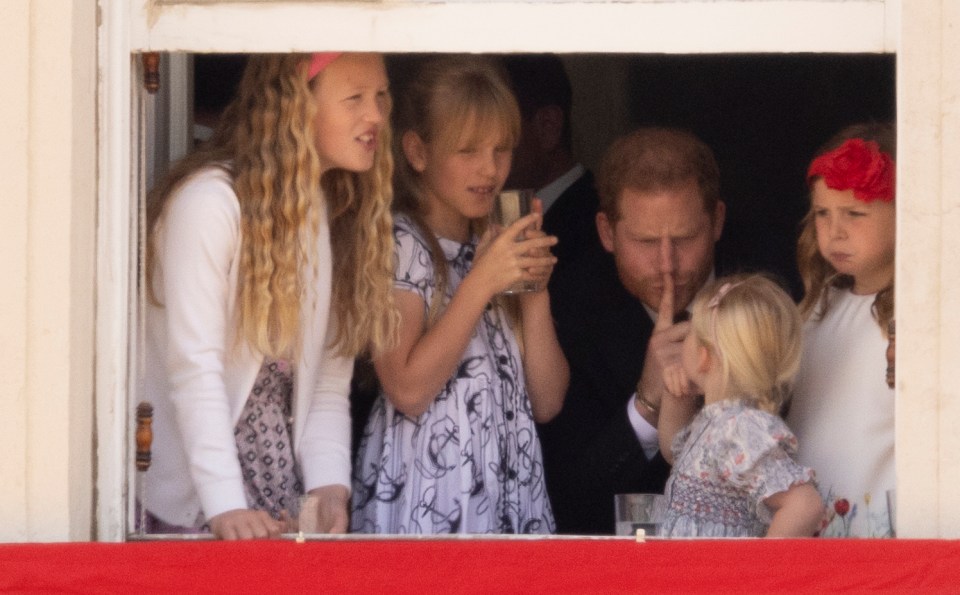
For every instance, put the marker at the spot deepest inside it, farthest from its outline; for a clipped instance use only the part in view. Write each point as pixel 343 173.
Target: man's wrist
pixel 643 403
pixel 644 427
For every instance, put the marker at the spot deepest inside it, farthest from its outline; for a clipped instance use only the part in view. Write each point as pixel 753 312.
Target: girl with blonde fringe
pixel 451 445
pixel 268 268
pixel 842 408
pixel 733 473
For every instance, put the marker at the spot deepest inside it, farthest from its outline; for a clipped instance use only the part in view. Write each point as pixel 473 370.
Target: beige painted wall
pixel 928 278
pixel 48 168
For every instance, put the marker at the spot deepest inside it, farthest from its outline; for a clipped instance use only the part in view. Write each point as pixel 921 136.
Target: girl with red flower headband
pixel 842 407
pixel 269 261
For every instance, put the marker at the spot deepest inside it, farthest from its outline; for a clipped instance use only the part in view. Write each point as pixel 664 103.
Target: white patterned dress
pixel 842 412
pixel 472 462
pixel 727 461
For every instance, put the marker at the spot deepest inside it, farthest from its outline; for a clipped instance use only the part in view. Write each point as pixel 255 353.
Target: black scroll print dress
pixel 472 462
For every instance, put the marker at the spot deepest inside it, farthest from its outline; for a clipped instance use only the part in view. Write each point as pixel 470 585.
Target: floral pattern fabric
pixel 472 462
pixel 727 460
pixel 852 516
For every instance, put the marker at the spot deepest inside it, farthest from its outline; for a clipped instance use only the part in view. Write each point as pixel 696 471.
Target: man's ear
pixel 605 230
pixel 719 215
pixel 548 127
pixel 414 150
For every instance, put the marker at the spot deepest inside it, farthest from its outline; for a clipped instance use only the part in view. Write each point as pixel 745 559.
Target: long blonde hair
pixel 265 141
pixel 756 332
pixel 816 272
pixel 448 97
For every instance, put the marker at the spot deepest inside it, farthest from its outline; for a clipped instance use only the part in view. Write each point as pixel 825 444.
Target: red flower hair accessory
pixel 857 165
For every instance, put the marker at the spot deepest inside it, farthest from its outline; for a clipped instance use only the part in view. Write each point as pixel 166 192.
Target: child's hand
pixel 502 260
pixel 676 381
pixel 243 523
pixel 332 514
pixel 288 523
pixel 540 274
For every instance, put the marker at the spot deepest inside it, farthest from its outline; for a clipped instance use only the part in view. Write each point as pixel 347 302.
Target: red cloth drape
pixel 485 566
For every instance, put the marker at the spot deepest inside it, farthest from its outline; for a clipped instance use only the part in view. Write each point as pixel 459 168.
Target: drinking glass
pixel 509 206
pixel 639 511
pixel 306 514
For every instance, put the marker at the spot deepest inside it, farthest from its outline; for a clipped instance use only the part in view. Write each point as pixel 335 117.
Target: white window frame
pixel 129 27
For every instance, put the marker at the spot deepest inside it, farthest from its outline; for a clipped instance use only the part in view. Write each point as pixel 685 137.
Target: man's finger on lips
pixel 665 313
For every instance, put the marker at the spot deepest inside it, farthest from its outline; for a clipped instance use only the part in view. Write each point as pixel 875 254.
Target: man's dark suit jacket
pixel 590 449
pixel 572 218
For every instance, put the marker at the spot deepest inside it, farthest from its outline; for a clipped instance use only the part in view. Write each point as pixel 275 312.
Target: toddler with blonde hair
pixel 733 469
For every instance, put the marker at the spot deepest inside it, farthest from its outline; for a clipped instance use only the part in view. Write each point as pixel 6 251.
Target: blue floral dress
pixel 727 461
pixel 472 462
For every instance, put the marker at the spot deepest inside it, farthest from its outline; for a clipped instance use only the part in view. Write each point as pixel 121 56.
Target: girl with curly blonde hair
pixel 269 263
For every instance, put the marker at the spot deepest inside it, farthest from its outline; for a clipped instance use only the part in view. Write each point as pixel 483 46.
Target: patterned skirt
pixel 271 475
pixel 264 434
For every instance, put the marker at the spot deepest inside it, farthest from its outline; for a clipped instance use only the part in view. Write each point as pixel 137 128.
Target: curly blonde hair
pixel 265 141
pixel 816 272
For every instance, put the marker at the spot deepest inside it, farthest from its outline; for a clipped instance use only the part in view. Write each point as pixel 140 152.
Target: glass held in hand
pixel 509 206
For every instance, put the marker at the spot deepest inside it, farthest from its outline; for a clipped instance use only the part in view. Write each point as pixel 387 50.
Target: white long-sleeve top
pixel 198 373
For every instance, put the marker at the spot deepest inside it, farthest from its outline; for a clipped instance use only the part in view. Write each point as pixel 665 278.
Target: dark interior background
pixel 763 114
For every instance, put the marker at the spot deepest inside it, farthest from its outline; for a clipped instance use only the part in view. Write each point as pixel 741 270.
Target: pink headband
pixel 714 306
pixel 857 165
pixel 714 302
pixel 319 61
